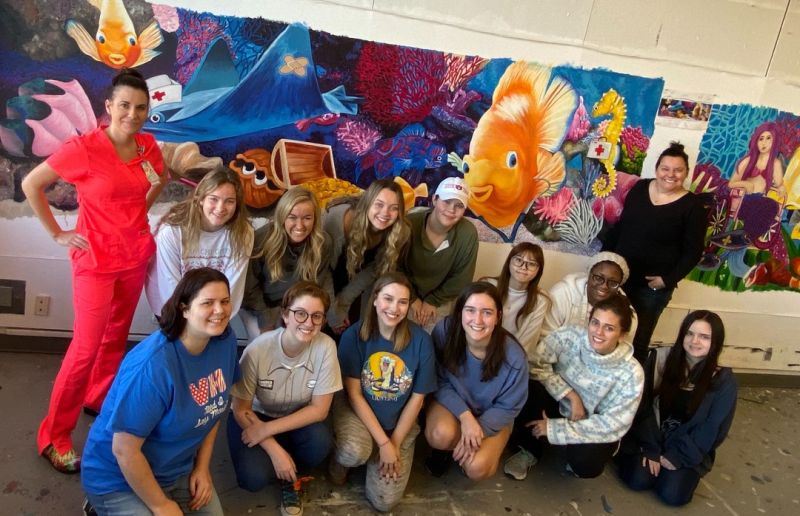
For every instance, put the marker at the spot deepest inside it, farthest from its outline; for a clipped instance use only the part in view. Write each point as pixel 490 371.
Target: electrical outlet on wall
pixel 41 305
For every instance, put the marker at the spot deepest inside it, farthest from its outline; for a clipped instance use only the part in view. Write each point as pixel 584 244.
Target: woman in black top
pixel 660 234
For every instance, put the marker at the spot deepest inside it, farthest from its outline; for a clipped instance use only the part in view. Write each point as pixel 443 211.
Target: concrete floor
pixel 757 470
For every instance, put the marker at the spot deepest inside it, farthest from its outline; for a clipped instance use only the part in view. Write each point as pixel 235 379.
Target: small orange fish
pixel 411 193
pixel 513 155
pixel 116 43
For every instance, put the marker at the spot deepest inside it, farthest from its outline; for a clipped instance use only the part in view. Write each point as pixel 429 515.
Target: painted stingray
pixel 281 88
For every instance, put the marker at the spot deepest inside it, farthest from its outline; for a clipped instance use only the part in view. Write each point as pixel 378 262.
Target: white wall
pixel 740 51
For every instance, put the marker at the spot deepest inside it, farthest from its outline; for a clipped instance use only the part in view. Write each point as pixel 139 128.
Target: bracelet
pixel 384 443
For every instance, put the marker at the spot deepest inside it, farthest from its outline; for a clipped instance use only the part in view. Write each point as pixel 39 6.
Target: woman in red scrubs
pixel 118 173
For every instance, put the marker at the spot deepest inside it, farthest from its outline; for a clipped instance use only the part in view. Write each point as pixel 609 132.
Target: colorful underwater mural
pixel 749 169
pixel 549 152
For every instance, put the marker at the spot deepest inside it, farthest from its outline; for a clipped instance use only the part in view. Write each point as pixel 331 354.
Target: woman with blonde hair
pixel 209 229
pixel 369 235
pixel 387 365
pixel 292 247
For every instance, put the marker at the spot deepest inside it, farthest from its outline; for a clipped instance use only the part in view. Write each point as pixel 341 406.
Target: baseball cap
pixel 453 188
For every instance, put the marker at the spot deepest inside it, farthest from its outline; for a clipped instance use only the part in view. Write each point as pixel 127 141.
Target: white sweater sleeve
pixel 236 272
pixel 530 328
pixel 165 268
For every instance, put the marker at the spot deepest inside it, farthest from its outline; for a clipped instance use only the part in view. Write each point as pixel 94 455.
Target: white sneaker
pixel 517 465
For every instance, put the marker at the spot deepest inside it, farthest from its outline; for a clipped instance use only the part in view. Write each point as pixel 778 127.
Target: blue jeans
pixel 674 487
pixel 308 446
pixel 648 304
pixel 127 503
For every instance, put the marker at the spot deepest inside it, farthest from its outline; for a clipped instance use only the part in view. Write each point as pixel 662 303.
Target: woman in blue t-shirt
pixel 483 384
pixel 150 448
pixel 388 368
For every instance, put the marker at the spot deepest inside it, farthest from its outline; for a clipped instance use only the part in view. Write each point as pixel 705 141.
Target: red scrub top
pixel 112 212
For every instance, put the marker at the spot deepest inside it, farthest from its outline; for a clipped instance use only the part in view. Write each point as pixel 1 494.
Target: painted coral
pixel 579 127
pixel 581 225
pixel 400 85
pixel 460 69
pixel 633 139
pixel 357 135
pixel 167 17
pixel 555 209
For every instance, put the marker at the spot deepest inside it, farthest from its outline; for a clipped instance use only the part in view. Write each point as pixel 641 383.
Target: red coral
pixel 400 85
pixel 789 132
pixel 460 69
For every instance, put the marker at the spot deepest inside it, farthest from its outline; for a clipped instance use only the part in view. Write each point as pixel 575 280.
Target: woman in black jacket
pixel 685 415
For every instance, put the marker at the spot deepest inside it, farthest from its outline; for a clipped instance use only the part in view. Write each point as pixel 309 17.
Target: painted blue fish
pixel 409 150
pixel 279 89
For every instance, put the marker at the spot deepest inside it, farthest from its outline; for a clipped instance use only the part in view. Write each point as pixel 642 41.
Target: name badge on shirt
pixel 150 173
pixel 265 384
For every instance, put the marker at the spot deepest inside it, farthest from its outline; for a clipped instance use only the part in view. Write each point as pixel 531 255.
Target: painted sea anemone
pixel 581 225
pixel 555 209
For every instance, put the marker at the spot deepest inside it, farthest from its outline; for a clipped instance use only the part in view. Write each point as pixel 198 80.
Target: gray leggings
pixel 355 446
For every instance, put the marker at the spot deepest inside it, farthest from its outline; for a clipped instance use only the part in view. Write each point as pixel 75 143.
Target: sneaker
pixel 439 462
pixel 291 501
pixel 88 509
pixel 569 470
pixel 517 465
pixel 337 474
pixel 91 412
pixel 69 462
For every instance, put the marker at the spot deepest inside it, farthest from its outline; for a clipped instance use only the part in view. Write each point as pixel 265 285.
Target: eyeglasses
pixel 598 280
pixel 521 262
pixel 301 316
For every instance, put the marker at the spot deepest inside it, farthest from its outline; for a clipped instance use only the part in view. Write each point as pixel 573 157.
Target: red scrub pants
pixel 104 305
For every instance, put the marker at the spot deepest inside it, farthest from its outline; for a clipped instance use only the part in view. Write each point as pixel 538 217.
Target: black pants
pixel 673 487
pixel 648 304
pixel 586 460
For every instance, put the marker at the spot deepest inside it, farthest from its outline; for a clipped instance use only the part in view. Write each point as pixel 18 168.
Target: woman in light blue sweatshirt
pixel 588 384
pixel 483 384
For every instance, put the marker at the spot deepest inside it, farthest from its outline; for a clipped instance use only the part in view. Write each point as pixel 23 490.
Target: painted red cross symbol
pixel 598 150
pixel 158 95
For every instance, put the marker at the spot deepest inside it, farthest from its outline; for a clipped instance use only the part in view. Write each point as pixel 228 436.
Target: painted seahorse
pixel 610 103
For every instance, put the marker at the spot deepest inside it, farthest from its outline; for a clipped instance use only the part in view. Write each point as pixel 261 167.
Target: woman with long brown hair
pixel 483 383
pixel 209 229
pixel 686 414
pixel 388 368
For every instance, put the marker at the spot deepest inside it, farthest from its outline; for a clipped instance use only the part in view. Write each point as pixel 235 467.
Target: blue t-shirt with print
pixel 387 377
pixel 167 396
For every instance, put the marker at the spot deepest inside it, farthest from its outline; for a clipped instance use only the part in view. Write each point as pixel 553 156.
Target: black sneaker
pixel 291 502
pixel 438 462
pixel 88 510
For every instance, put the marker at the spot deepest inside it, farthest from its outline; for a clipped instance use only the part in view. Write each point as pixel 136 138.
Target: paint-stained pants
pixel 104 305
pixel 354 447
